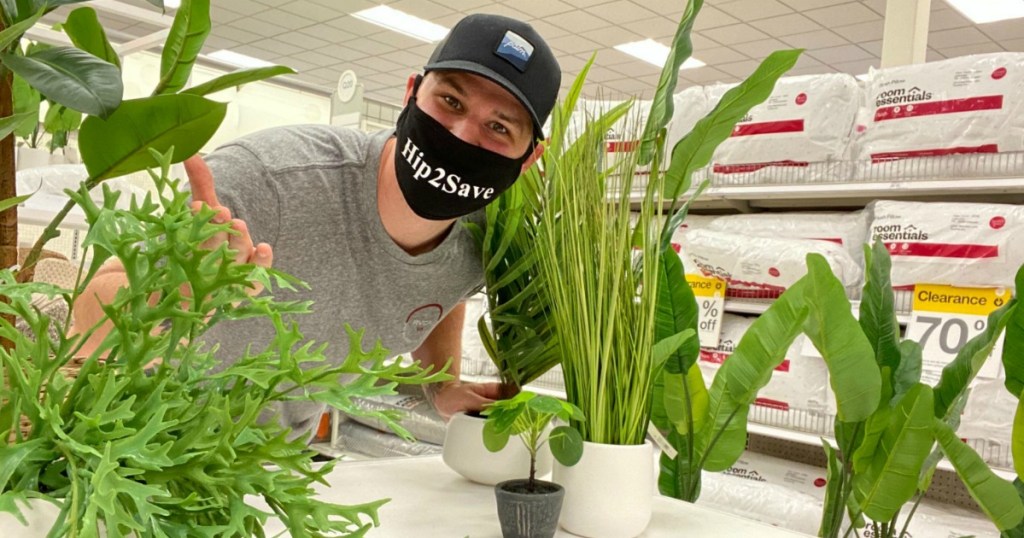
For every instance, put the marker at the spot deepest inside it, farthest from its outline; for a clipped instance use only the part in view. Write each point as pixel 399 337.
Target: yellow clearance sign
pixel 954 300
pixel 703 286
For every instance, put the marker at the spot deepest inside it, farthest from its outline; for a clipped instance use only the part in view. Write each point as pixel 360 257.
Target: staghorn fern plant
pixel 157 439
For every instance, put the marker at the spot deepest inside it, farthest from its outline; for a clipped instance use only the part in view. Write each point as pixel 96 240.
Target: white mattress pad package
pixel 966 105
pixel 761 268
pixel 960 244
pixel 807 119
pixel 688 107
pixel 789 494
pixel 987 421
pixel 799 382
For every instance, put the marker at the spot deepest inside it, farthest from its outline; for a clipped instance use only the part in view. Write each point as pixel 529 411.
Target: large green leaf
pixel 696 148
pixel 1017 439
pixel 184 43
pixel 120 144
pixel 661 106
pixel 71 77
pixel 748 370
pixel 878 307
pixel 957 375
pixel 11 123
pixel 1013 346
pixel 1018 531
pixel 26 101
pixel 679 477
pixel 685 400
pixel 11 34
pixel 891 473
pixel 11 202
pixel 831 326
pixel 86 32
pixel 832 515
pixel 676 311
pixel 996 497
pixel 238 78
pixel 61 118
pixel 908 373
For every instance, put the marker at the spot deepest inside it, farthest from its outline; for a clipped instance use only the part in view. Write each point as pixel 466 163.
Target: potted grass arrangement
pixel 529 508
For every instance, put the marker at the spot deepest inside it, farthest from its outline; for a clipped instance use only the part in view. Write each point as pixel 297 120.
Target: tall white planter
pixel 608 494
pixel 31 157
pixel 464 452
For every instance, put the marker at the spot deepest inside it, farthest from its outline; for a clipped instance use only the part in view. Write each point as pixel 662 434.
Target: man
pixel 371 222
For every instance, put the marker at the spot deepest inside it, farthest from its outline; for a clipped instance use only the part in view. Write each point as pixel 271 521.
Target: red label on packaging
pixel 716 357
pixel 677 247
pixel 896 155
pixel 943 250
pixel 801 99
pixel 773 404
pixel 997 222
pixel 968 104
pixel 754 167
pixel 774 272
pixel 999 73
pixel 622 146
pixel 769 127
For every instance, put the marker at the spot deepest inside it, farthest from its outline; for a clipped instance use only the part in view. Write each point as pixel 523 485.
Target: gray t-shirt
pixel 310 191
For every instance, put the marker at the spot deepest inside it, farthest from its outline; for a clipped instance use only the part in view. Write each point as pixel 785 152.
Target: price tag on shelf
pixel 945 318
pixel 710 294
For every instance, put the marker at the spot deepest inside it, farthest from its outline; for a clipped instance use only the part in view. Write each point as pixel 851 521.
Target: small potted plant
pixel 530 507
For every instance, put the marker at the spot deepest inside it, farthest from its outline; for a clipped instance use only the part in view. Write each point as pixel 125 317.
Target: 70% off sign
pixel 710 295
pixel 945 318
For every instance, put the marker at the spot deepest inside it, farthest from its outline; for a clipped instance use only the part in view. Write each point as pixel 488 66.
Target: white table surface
pixel 430 500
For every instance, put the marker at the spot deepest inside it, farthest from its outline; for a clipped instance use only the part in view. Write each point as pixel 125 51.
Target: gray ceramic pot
pixel 525 514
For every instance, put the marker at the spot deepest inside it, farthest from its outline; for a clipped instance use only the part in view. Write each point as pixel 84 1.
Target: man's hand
pixel 456 397
pixel 203 193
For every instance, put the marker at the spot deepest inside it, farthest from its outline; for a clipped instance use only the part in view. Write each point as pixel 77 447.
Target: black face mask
pixel 443 177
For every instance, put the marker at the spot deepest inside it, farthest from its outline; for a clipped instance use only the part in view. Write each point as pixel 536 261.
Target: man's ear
pixel 534 155
pixel 410 88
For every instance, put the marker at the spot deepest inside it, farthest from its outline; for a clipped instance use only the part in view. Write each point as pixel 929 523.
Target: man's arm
pixel 445 342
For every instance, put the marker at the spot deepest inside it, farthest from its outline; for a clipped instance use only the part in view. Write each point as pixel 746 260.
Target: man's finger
pixel 201 179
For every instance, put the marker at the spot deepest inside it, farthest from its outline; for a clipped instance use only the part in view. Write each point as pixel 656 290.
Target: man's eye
pixel 452 102
pixel 499 128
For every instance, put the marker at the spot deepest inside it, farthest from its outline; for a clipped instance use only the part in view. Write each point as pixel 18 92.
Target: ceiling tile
pixel 653 28
pixel 368 46
pixel 343 52
pixel 310 10
pixel 405 58
pixel 637 68
pixel 708 75
pixel 750 10
pixel 946 19
pixel 671 8
pixel 1014 45
pixel 603 74
pixel 585 3
pixel 710 17
pixel 327 33
pixel 346 6
pixel 450 19
pixel 933 56
pixel 1011 29
pixel 503 9
pixel 235 34
pixel 804 5
pixel 814 40
pixel 214 42
pixel 256 52
pixel 261 28
pixel 423 9
pixel 354 26
pixel 573 64
pixel 302 40
pixel 548 30
pixel 807 61
pixel 760 49
pixel 398 41
pixel 794 23
pixel 579 21
pixel 956 37
pixel 378 64
pixel 283 20
pixel 813 70
pixel 611 36
pixel 248 7
pixel 622 11
pixel 874 47
pixel 967 50
pixel 700 41
pixel 573 44
pixel 858 67
pixel 864 31
pixel 878 6
pixel 220 15
pixel 842 14
pixel 719 55
pixel 736 33
pixel 740 69
pixel 842 53
pixel 541 9
pixel 298 63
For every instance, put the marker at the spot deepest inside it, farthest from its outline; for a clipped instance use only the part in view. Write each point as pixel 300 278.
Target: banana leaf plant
pixel 886 457
pixel 115 136
pixel 1013 366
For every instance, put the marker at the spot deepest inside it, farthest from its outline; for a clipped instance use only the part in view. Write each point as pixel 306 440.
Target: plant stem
pixel 910 516
pixel 714 440
pixel 50 232
pixel 691 488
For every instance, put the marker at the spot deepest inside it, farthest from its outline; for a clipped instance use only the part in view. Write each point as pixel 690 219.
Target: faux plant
pixel 886 459
pixel 1013 365
pixel 115 136
pixel 173 449
pixel 527 416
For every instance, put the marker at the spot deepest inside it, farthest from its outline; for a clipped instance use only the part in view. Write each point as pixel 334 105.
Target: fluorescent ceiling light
pixel 403 23
pixel 237 59
pixel 172 4
pixel 982 11
pixel 654 53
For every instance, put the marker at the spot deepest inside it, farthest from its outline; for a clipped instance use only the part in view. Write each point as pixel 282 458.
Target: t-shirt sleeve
pixel 245 187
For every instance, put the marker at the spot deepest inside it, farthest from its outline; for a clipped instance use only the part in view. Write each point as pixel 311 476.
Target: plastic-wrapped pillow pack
pixel 688 107
pixel 987 421
pixel 958 244
pixel 763 268
pixel 801 132
pixel 798 384
pixel 846 229
pixel 377 444
pixel 961 106
pixel 475 360
pixel 418 416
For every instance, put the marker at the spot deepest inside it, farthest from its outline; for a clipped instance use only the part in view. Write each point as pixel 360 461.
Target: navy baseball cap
pixel 508 52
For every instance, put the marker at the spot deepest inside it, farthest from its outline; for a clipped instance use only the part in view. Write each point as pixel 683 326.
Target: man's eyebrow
pixel 445 78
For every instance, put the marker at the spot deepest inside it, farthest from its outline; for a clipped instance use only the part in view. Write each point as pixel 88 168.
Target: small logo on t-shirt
pixel 422 320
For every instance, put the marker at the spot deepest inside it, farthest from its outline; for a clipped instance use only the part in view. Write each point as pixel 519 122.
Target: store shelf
pixel 758 306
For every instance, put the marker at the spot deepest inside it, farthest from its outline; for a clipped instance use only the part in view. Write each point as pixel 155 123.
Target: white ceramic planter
pixel 464 452
pixel 608 494
pixel 32 158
